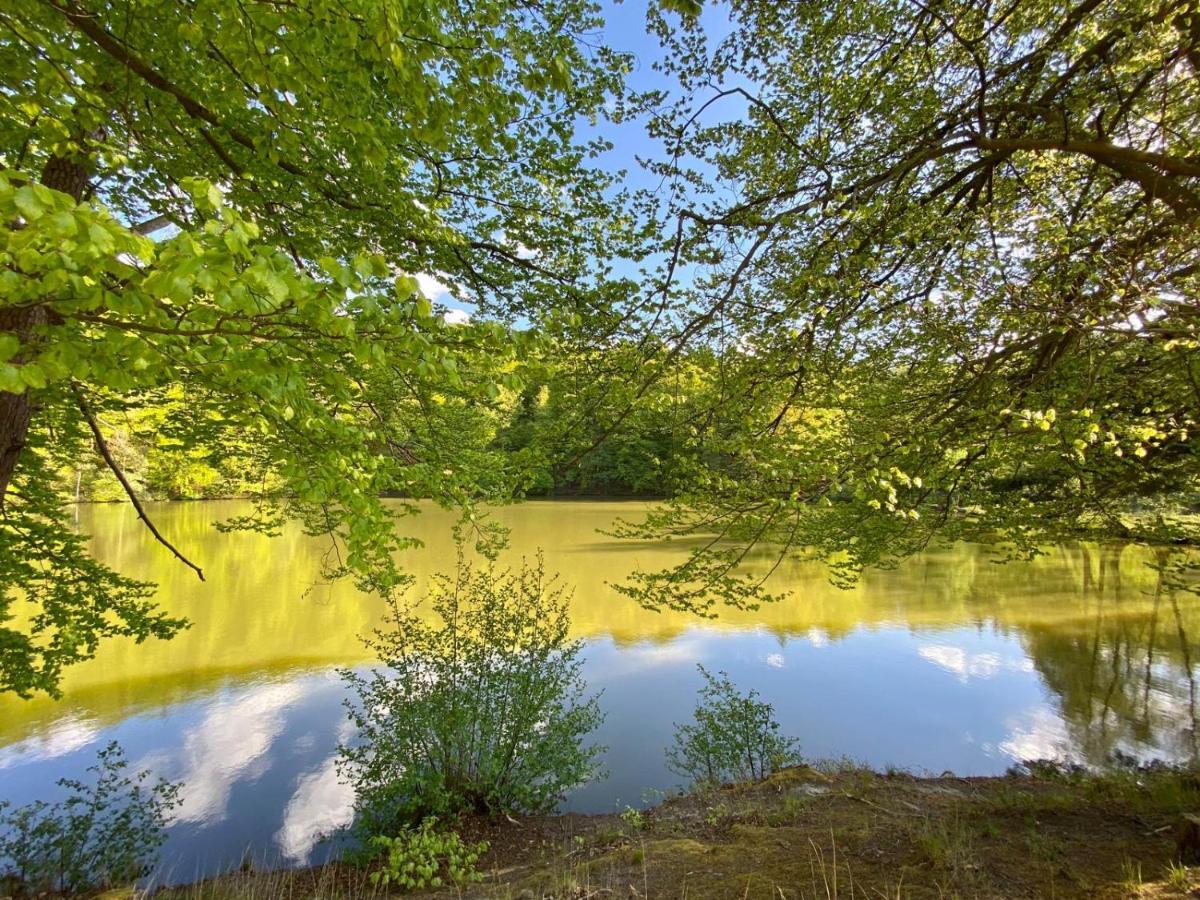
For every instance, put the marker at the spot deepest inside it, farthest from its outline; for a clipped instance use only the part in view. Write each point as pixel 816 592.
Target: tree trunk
pixel 71 177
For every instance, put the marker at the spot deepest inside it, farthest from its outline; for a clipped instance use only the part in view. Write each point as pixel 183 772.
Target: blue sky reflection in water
pixel 950 662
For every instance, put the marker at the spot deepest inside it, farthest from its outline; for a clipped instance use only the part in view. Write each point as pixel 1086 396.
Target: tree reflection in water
pixel 1127 680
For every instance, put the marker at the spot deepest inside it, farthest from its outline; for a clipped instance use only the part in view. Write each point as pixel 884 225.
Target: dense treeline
pixel 554 436
pixel 650 453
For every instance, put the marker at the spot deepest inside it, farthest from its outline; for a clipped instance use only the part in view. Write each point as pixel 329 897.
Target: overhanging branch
pixel 102 446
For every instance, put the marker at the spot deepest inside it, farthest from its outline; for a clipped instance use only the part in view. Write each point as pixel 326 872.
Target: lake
pixel 950 662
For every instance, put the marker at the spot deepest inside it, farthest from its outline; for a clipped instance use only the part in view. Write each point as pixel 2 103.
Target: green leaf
pixel 28 203
pixel 32 375
pixel 686 8
pixel 101 238
pixel 277 287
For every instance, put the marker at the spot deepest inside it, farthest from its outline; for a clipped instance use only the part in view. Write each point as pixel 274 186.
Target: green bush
pixel 733 737
pixel 483 712
pixel 425 857
pixel 104 833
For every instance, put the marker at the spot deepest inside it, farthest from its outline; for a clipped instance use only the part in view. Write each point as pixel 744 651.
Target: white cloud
pixel 229 744
pixel 431 287
pixel 457 317
pixel 321 805
pixel 515 247
pixel 68 734
pixel 775 660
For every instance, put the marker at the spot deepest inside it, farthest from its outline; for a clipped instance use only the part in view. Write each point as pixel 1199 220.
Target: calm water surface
pixel 950 662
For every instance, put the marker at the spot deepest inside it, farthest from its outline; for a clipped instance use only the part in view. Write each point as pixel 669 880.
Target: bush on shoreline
pixel 483 712
pixel 103 834
pixel 733 737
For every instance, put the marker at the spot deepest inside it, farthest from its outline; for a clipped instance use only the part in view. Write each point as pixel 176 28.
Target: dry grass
pixel 845 833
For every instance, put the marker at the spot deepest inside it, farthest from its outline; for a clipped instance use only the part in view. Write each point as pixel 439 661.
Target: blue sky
pixel 625 31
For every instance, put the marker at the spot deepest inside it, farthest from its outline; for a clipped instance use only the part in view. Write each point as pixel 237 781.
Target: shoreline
pixel 824 832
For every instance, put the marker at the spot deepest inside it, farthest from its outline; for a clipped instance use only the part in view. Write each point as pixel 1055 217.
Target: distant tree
pixel 946 254
pixel 308 161
pixel 578 430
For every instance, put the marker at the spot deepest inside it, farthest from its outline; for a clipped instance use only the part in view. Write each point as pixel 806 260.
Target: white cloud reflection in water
pixel 322 804
pixel 231 743
pixel 967 665
pixel 1037 733
pixel 66 735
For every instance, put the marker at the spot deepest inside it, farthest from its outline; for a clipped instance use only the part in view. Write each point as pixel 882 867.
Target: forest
pixel 764 303
pixel 648 455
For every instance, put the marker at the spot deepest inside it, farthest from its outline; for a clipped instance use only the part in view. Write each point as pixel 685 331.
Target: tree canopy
pixel 910 270
pixel 947 253
pixel 309 160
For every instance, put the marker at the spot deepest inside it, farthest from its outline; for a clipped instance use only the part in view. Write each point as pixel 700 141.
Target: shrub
pixel 633 818
pixel 104 833
pixel 733 737
pixel 426 857
pixel 484 711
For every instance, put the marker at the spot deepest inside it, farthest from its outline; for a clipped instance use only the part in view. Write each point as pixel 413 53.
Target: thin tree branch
pixel 151 225
pixel 1101 151
pixel 102 446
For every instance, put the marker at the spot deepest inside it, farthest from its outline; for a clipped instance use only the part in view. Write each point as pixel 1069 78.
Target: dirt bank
pixel 846 833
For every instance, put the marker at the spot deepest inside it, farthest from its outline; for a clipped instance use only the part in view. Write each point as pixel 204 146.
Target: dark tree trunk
pixel 67 175
pixel 71 177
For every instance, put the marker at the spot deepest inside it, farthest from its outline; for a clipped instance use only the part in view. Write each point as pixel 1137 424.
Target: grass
pixel 1131 875
pixel 333 882
pixel 1043 846
pixel 1178 876
pixel 789 812
pixel 840 832
pixel 946 844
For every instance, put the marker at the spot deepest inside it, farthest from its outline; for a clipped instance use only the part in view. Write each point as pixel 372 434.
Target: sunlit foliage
pixel 946 256
pixel 300 167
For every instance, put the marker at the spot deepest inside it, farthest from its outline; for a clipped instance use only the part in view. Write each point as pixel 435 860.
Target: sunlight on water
pixel 950 662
